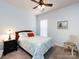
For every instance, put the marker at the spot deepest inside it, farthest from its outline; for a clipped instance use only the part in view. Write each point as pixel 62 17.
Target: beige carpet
pixel 53 53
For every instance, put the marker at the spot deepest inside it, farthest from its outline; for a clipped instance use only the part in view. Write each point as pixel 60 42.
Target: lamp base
pixel 9 37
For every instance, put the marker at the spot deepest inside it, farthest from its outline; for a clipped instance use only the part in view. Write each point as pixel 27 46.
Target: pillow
pixel 30 34
pixel 23 34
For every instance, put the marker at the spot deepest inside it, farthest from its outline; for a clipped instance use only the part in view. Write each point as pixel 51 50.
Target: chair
pixel 1 53
pixel 1 49
pixel 78 47
pixel 71 44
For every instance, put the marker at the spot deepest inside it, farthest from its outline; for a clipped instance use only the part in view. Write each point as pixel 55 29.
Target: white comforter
pixel 36 46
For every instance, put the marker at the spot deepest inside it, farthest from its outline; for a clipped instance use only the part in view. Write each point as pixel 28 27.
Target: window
pixel 43 27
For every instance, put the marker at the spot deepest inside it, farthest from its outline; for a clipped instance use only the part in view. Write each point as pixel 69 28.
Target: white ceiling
pixel 28 5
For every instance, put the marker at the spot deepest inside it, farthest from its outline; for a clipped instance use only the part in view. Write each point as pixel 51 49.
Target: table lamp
pixel 9 35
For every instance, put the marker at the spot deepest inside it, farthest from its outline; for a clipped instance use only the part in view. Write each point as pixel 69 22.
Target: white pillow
pixel 23 34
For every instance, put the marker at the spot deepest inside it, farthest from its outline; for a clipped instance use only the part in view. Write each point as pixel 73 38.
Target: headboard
pixel 17 33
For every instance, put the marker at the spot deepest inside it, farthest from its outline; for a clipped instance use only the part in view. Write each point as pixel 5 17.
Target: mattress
pixel 37 46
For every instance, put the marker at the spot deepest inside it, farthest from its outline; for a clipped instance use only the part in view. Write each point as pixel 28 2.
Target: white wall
pixel 15 19
pixel 70 13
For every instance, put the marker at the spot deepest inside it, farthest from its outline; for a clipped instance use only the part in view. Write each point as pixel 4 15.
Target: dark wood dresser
pixel 9 46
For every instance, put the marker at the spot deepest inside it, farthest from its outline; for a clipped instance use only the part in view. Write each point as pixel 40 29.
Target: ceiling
pixel 28 5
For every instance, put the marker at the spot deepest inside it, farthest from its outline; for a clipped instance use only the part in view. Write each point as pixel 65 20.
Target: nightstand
pixel 9 46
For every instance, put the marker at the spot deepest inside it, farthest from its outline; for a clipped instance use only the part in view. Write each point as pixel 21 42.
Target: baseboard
pixel 59 45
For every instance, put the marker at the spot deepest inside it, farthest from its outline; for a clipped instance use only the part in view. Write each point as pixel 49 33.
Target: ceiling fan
pixel 41 3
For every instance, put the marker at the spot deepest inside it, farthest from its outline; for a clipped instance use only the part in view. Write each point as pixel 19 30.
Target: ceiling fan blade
pixel 48 5
pixel 40 1
pixel 35 1
pixel 35 7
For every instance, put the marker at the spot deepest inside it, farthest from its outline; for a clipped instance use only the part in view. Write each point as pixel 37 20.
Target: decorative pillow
pixel 30 34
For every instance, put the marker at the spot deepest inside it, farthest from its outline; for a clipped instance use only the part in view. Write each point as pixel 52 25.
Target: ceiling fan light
pixel 41 7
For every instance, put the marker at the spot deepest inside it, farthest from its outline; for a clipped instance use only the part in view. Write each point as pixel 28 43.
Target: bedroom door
pixel 43 27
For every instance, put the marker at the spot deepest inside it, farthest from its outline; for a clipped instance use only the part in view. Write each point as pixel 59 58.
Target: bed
pixel 37 46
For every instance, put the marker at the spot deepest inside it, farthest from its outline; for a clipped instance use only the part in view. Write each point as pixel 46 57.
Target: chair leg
pixel 72 52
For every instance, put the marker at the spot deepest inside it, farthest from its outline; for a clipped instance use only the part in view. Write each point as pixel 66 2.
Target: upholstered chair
pixel 71 44
pixel 1 49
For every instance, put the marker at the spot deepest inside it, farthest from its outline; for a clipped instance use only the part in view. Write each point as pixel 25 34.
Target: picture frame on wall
pixel 62 24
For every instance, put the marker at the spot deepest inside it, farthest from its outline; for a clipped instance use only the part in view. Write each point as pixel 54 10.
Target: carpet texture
pixel 53 53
